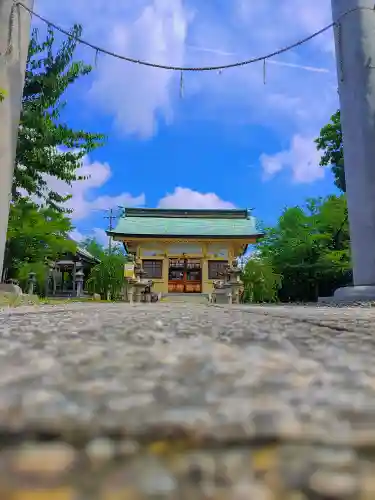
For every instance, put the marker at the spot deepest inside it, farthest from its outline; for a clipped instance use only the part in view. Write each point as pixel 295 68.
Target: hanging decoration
pixel 182 85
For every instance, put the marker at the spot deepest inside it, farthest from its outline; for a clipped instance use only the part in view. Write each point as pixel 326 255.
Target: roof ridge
pixel 188 213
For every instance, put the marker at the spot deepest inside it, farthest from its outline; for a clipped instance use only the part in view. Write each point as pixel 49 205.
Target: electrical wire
pixel 141 62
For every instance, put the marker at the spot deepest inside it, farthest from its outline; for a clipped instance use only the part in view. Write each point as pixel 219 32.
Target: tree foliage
pixel 36 235
pixel 107 277
pixel 330 142
pixel 261 283
pixel 309 248
pixel 47 146
pixel 94 247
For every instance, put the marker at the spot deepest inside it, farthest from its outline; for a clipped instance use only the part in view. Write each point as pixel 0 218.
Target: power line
pixel 189 68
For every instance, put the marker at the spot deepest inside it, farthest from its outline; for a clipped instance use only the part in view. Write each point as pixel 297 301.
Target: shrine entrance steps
pixel 190 298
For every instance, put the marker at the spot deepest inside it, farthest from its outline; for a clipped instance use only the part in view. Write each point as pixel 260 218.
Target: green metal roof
pixel 197 223
pixel 85 253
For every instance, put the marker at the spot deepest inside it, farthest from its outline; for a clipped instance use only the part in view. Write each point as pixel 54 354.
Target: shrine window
pixel 153 268
pixel 216 269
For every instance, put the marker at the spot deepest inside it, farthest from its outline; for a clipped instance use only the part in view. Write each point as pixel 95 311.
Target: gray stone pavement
pixel 174 401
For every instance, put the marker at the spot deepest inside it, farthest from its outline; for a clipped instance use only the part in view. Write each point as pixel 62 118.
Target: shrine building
pixel 184 251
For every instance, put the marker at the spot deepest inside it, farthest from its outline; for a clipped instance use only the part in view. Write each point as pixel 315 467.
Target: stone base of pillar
pixel 10 288
pixel 364 293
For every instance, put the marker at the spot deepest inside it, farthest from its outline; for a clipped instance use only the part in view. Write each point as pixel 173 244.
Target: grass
pixel 50 301
pixel 8 299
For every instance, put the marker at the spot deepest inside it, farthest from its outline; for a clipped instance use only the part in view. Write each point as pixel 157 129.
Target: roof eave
pixel 91 258
pixel 204 237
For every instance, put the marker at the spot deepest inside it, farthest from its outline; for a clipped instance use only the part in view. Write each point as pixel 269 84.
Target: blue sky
pixel 231 140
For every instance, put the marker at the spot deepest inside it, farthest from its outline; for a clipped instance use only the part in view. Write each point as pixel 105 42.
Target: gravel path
pixel 173 401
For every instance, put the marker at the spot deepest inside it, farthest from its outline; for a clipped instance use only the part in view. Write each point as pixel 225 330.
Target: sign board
pixel 187 248
pixel 218 252
pixel 151 253
pixel 150 250
pixel 129 270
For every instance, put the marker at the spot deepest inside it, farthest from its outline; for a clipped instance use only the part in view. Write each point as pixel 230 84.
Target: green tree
pixel 47 146
pixel 36 235
pixel 261 283
pixel 98 250
pixel 2 95
pixel 107 277
pixel 330 142
pixel 94 247
pixel 309 248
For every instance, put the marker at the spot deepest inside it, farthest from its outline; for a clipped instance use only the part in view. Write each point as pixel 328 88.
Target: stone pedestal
pixel 138 289
pixel 12 288
pixel 221 293
pixel 130 291
pixel 350 294
pixel 148 292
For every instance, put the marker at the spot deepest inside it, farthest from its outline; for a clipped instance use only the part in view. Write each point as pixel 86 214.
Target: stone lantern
pixel 140 284
pixel 227 290
pixel 31 283
pixel 139 272
pixel 234 275
pixel 222 290
pixel 78 279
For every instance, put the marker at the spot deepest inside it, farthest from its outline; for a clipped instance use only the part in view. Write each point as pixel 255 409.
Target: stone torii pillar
pixel 13 57
pixel 355 56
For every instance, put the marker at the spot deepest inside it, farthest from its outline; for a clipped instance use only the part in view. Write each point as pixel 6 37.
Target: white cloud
pixel 299 19
pixel 100 235
pixel 83 203
pixel 165 31
pixel 136 95
pixel 188 198
pixel 77 236
pixel 97 233
pixel 302 158
pixel 83 199
pixel 154 30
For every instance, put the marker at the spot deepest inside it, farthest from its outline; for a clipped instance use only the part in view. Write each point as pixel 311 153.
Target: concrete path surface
pixel 174 401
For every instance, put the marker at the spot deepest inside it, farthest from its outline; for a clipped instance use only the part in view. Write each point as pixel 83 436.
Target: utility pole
pixel 355 55
pixel 111 218
pixel 14 44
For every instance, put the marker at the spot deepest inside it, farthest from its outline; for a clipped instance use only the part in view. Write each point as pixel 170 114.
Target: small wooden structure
pixel 68 275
